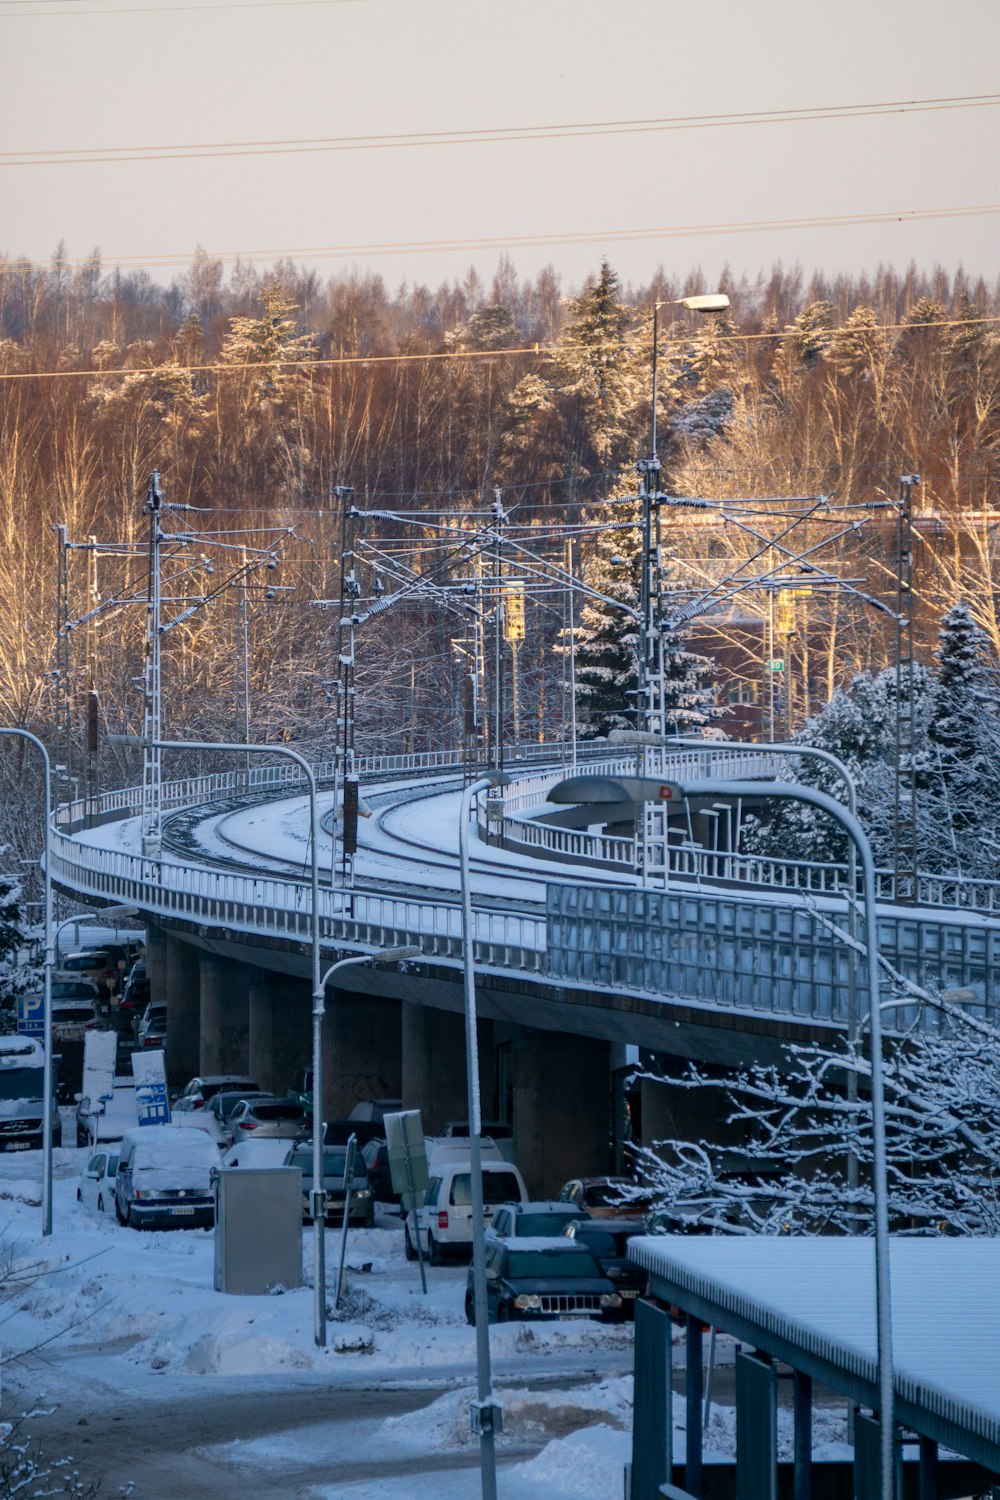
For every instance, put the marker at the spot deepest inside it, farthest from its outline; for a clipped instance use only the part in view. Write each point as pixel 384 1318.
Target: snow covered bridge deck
pixel 750 937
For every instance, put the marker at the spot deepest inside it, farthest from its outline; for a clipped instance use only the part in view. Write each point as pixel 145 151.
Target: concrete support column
pixel 236 1020
pixel 671 1113
pixel 433 1065
pixel 260 1030
pixel 183 1010
pixel 562 1109
pixel 156 963
pixel 362 1052
pixel 278 1030
pixel 224 1015
pixel 212 985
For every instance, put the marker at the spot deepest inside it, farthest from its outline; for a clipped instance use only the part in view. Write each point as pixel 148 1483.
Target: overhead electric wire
pixel 495 135
pixel 337 361
pixel 522 241
pixel 152 10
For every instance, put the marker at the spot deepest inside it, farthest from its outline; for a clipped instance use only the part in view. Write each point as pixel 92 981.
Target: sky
pixel 85 76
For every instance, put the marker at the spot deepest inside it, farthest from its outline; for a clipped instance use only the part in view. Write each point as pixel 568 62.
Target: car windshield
pixel 540 1225
pixel 531 1264
pixel 70 1014
pixel 498 1187
pixel 21 1083
pixel 277 1111
pixel 334 1163
pixel 608 1195
pixel 600 1242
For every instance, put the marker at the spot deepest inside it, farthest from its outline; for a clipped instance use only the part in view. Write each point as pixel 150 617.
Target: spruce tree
pixel 607 638
pixel 964 721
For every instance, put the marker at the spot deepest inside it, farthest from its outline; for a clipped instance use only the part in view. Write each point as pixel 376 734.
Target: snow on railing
pixel 275 907
pixel 693 862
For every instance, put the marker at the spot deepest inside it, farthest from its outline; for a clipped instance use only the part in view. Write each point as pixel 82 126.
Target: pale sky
pixel 83 74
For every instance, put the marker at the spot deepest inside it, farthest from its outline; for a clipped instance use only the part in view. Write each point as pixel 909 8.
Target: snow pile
pixel 527 1415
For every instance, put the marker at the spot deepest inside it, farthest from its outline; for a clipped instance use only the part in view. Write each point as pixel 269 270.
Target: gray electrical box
pixel 258 1229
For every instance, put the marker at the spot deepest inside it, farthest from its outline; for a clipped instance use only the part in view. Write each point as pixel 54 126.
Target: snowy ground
pixel 219 1391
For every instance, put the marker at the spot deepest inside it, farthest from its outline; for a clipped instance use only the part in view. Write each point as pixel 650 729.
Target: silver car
pixel 266 1116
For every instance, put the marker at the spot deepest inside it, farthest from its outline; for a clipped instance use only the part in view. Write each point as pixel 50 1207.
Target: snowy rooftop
pixel 811 1302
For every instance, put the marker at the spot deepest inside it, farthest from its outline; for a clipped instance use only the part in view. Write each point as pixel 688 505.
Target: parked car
pixel 164 1178
pixel 133 999
pixel 153 1026
pixel 95 964
pixel 120 1114
pixel 497 1131
pixel 216 1116
pixel 74 987
pixel 257 1154
pixel 536 1278
pixel 374 1111
pixel 376 1155
pixel 22 1094
pixel 607 1197
pixel 540 1220
pixel 607 1240
pixel 72 1018
pixel 339 1132
pixel 200 1090
pixel 96 1189
pixel 265 1114
pixel 443 1221
pixel 361 1204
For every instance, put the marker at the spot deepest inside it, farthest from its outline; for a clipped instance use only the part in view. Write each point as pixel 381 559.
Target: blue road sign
pixel 31 1015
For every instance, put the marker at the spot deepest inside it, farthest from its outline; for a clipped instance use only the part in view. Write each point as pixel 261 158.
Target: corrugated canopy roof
pixel 811 1303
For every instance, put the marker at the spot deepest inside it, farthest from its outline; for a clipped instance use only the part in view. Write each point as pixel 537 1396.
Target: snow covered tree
pixel 18 974
pixel 965 722
pixel 269 346
pixel 689 694
pixel 607 637
pixel 800 1128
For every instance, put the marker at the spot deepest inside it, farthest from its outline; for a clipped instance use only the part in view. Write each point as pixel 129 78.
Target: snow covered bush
pixel 801 1128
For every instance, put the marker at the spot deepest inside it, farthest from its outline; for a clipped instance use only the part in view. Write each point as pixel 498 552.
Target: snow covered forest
pixel 257 393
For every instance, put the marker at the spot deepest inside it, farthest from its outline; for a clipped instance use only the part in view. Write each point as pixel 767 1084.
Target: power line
pixel 207 150
pixel 152 10
pixel 542 351
pixel 577 237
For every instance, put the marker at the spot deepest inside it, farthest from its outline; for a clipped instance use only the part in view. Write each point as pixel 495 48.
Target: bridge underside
pixel 553 1061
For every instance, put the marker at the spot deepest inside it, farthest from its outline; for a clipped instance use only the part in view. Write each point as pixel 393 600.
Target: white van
pixel 444 1219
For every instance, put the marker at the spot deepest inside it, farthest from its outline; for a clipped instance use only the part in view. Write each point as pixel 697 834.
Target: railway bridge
pixel 581 969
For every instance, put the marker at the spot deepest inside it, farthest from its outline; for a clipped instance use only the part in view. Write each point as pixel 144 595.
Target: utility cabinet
pixel 258 1229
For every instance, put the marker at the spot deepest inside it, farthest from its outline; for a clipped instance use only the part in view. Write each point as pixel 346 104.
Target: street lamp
pixel 23 734
pixel 106 912
pixel 318 1197
pixel 586 789
pixel 485 1410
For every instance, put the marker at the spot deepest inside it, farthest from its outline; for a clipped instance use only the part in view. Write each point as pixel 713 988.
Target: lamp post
pixel 318 1195
pixel 91 916
pixel 485 1411
pixel 647 789
pixel 23 734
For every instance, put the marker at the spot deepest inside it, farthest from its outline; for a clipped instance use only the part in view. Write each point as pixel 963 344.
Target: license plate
pixel 182 1210
pixel 17 1145
pixel 628 1294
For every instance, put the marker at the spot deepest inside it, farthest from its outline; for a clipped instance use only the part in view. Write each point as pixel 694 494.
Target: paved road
pixel 325 1434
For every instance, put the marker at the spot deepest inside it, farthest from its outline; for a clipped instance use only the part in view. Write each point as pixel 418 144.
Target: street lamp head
pixel 709 302
pixel 395 956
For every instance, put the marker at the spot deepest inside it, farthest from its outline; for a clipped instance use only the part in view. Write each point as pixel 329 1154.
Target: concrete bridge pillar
pixel 236 1020
pixel 156 963
pixel 183 995
pixel 224 1015
pixel 362 1051
pixel 671 1113
pixel 562 1109
pixel 278 1030
pixel 433 1065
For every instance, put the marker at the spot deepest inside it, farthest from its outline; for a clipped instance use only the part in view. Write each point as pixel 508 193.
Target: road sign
pixel 150 1088
pixel 776 664
pixel 31 1015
